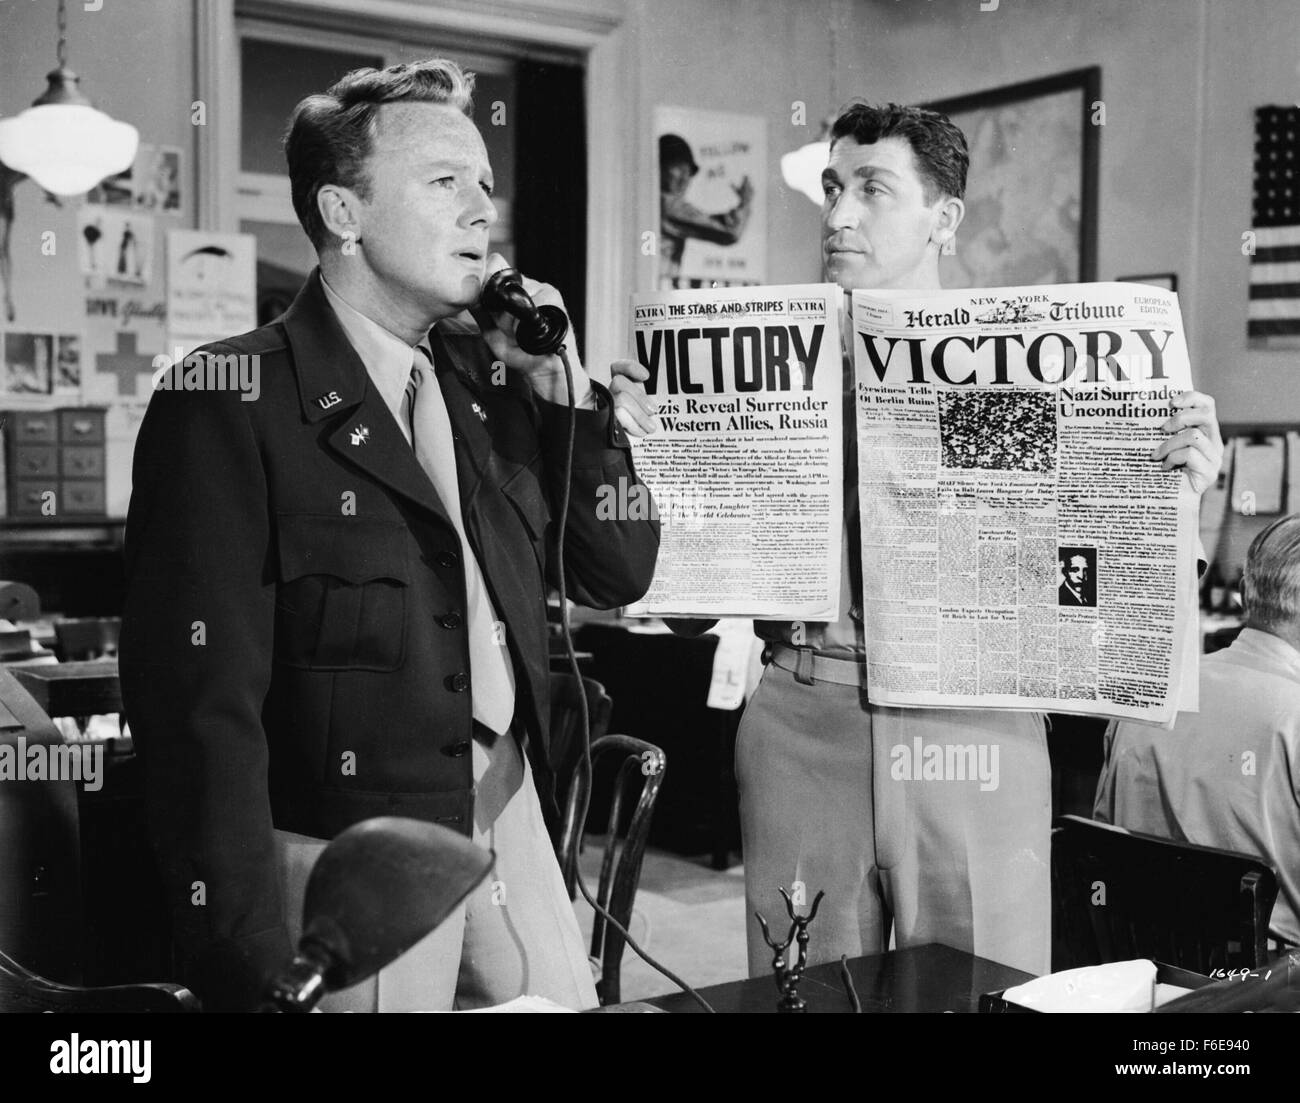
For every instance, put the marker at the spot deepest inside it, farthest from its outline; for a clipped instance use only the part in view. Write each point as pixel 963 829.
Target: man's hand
pixel 1194 442
pixel 545 373
pixel 632 406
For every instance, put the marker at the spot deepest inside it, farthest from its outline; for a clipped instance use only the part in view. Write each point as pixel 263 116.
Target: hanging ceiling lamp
pixel 802 168
pixel 61 141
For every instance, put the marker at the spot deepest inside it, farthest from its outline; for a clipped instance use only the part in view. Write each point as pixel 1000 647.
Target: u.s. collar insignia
pixel 328 401
pixel 360 435
pixel 478 410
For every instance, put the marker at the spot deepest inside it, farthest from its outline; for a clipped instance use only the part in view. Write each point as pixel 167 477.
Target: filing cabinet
pixel 54 464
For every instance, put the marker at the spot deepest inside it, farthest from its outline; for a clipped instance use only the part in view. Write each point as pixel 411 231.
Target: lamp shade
pixel 802 169
pixel 67 148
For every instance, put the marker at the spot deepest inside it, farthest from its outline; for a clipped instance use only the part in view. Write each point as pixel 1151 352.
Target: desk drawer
pixel 34 426
pixel 81 497
pixel 81 426
pixel 29 496
pixel 35 461
pixel 82 463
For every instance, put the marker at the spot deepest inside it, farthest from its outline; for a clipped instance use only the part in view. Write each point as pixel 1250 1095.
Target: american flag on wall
pixel 1275 266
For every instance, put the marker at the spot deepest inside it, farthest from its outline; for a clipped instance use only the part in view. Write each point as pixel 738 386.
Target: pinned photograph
pixel 114 191
pixel 132 251
pixel 67 364
pixel 113 244
pixel 158 180
pixel 29 363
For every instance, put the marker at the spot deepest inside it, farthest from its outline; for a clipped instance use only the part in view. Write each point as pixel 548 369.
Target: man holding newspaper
pixel 823 803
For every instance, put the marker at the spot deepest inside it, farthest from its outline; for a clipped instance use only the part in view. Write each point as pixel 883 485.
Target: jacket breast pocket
pixel 341 602
pixel 524 493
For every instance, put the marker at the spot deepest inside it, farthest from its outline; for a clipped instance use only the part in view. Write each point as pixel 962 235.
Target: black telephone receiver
pixel 541 329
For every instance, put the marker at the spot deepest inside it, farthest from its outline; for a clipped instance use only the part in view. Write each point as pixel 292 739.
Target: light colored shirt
pixel 1227 776
pixel 386 356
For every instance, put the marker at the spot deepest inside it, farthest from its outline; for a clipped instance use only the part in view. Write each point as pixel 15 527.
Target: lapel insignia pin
pixel 478 410
pixel 360 435
pixel 326 401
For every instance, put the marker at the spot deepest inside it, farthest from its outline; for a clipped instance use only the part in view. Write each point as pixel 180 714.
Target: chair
pixel 1119 895
pixel 640 766
pixel 23 990
pixel 41 901
pixel 87 638
pixel 566 736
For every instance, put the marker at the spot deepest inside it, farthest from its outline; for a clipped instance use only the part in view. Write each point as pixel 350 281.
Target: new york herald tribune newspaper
pixel 1020 547
pixel 747 470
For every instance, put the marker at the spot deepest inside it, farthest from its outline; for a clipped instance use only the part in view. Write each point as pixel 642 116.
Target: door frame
pixel 599 36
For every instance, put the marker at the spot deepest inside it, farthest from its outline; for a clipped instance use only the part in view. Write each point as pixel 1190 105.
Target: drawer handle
pixel 81 428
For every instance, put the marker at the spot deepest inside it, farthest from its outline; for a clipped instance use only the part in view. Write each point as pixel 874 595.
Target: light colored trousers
pixel 825 800
pixel 516 934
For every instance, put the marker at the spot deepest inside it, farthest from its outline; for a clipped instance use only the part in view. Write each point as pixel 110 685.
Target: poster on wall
pixel 211 287
pixel 152 184
pixel 157 179
pixel 712 198
pixel 114 244
pixel 124 332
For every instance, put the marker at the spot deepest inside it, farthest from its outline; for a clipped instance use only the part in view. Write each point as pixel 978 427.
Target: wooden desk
pixel 73 689
pixel 931 978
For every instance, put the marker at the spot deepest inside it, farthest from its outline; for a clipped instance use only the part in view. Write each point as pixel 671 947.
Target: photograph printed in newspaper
pixel 1020 548
pixel 746 470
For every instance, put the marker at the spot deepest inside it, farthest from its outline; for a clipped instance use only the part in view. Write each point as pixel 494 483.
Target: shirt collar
pixel 1259 647
pixel 387 358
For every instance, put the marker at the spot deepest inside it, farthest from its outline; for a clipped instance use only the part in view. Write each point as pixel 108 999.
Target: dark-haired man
pixel 829 798
pixel 336 600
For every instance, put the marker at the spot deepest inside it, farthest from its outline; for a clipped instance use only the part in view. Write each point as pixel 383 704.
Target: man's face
pixel 876 224
pixel 424 229
pixel 1076 571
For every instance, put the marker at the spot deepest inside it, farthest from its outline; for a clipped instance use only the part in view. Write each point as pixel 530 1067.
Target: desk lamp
pixel 376 890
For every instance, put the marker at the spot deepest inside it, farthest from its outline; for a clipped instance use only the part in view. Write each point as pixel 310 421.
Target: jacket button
pixel 447 559
pixel 451 620
pixel 458 683
pixel 456 750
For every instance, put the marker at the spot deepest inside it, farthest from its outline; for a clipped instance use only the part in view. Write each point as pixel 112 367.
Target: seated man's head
pixel 893 196
pixel 391 181
pixel 1271 582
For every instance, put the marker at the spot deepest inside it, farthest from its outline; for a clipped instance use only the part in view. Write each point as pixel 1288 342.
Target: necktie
pixel 492 680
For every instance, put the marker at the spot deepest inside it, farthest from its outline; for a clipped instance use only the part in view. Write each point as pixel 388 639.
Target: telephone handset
pixel 540 330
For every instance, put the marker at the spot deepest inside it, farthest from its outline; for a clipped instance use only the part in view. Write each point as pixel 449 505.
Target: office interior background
pixel 579 82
